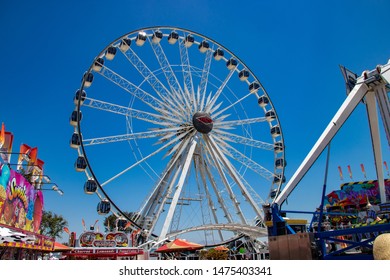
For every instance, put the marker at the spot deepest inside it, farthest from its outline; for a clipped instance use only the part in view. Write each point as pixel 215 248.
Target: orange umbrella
pixel 178 245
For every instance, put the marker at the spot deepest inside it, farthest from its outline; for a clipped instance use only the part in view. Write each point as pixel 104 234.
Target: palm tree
pixel 52 224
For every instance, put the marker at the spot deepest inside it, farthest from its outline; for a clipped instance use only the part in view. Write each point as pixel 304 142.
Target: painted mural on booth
pixel 356 193
pixel 20 204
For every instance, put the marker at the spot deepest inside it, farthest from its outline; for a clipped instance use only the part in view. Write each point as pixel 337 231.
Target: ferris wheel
pixel 175 129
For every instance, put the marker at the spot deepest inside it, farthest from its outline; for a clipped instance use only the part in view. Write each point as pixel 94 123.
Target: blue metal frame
pixel 363 236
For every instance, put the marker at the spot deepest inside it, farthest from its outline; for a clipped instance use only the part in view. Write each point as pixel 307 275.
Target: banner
pixel 20 204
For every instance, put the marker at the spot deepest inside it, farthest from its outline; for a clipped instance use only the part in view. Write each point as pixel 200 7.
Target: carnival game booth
pixel 21 202
pixel 98 246
pixel 21 208
pixel 354 217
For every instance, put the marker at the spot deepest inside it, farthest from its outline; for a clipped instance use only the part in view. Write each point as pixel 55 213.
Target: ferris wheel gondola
pixel 191 131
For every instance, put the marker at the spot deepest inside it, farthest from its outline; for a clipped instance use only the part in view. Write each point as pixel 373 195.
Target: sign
pixel 20 204
pixel 97 239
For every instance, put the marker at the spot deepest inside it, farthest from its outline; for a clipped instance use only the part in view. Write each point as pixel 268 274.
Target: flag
pixel 6 149
pixel 364 171
pixel 341 173
pixel 33 159
pixel 2 136
pixel 24 152
pixel 387 168
pixel 349 171
pixel 66 230
pixel 83 223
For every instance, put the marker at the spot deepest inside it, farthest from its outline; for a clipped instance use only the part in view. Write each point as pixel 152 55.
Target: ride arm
pixel 353 99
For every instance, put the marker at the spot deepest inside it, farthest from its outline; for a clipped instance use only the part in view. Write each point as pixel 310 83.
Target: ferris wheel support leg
pixel 350 103
pixel 376 143
pixel 178 190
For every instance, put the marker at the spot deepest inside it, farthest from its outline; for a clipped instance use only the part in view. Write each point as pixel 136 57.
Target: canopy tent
pixel 179 245
pixel 58 247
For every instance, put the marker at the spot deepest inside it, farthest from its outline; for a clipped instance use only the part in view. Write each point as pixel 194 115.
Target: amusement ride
pixel 173 117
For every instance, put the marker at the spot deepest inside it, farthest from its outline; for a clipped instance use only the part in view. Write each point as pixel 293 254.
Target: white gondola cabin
pixel 80 164
pixel 157 36
pixel 189 40
pixel 141 38
pixel 275 131
pixel 79 95
pixel 88 78
pixel 90 186
pixel 75 117
pixel 273 193
pixel 121 223
pixel 270 115
pixel 75 140
pixel 204 46
pixel 98 64
pixel 173 37
pixel 243 75
pixel 218 54
pixel 254 87
pixel 278 179
pixel 231 64
pixel 103 207
pixel 110 52
pixel 280 163
pixel 278 147
pixel 125 44
pixel 263 101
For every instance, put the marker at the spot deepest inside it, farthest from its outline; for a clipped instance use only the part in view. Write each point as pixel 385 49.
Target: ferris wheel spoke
pixel 127 137
pixel 186 68
pixel 135 91
pixel 162 120
pixel 154 206
pixel 248 162
pixel 167 70
pixel 140 161
pixel 204 175
pixel 210 103
pixel 217 162
pixel 203 194
pixel 243 140
pixel 204 78
pixel 234 174
pixel 178 145
pixel 184 167
pixel 235 123
pixel 163 199
pixel 228 107
pixel 152 80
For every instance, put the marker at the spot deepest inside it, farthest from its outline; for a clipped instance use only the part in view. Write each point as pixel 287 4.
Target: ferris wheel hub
pixel 202 122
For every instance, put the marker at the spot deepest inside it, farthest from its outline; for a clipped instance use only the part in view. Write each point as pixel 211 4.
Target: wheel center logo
pixel 202 122
pixel 205 120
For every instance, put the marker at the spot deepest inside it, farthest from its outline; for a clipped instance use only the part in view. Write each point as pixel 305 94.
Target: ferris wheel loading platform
pixel 372 87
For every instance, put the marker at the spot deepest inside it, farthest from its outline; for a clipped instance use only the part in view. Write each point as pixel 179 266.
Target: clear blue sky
pixel 294 47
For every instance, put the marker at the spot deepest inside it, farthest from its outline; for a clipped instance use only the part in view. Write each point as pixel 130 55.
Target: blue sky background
pixel 294 48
